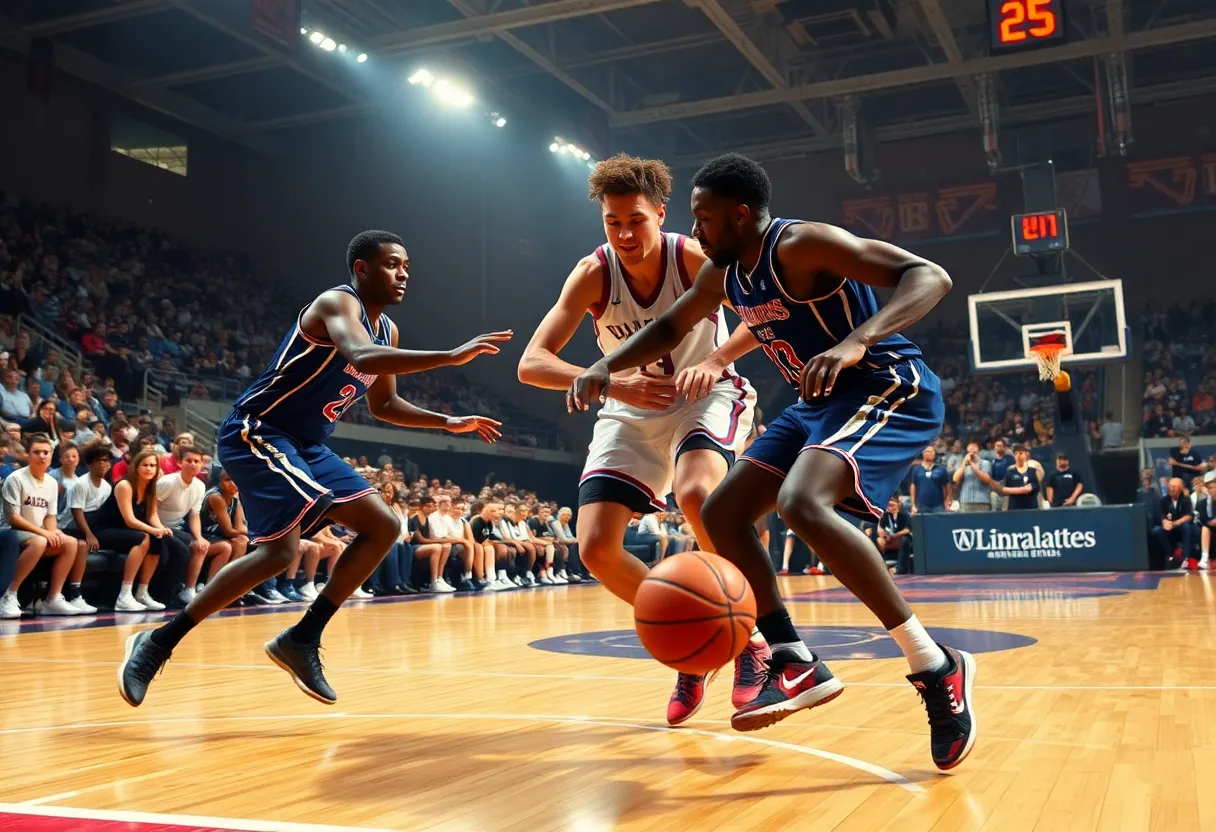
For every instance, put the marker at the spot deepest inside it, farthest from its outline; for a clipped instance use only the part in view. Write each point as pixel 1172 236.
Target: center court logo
pixel 998 545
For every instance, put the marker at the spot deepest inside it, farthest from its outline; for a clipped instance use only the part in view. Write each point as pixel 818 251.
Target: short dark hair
pixel 1062 456
pixel 623 175
pixel 64 447
pixel 737 177
pixel 364 244
pixel 95 451
pixel 191 449
pixel 38 439
pixel 1020 448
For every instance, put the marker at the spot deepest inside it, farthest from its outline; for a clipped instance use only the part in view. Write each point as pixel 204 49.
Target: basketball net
pixel 1048 356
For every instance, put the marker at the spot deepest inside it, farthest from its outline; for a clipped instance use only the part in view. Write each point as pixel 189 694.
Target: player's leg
pixel 698 472
pixel 601 529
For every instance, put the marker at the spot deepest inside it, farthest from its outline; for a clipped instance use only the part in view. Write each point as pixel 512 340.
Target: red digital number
pixel 1030 229
pixel 783 355
pixel 1051 229
pixel 335 409
pixel 1016 12
pixel 1040 227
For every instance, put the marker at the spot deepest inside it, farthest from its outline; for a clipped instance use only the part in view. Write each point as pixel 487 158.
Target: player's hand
pixel 591 386
pixel 486 428
pixel 819 374
pixel 696 382
pixel 481 345
pixel 643 391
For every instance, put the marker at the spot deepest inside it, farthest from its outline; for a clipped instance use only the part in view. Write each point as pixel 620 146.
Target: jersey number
pixel 663 367
pixel 335 409
pixel 782 354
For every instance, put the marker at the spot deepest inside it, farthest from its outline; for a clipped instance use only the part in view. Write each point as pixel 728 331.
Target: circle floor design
pixel 828 642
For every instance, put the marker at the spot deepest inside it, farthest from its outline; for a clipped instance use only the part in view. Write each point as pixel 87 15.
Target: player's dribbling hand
pixel 486 428
pixel 696 382
pixel 591 386
pixel 643 392
pixel 819 374
pixel 481 345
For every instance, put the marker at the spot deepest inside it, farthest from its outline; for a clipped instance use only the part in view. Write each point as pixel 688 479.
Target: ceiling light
pixel 553 148
pixel 422 77
pixel 316 37
pixel 362 58
pixel 342 48
pixel 328 44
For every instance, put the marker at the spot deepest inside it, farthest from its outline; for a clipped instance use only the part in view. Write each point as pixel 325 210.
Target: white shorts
pixel 639 447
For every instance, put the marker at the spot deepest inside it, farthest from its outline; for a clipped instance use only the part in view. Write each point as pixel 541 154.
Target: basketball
pixel 694 612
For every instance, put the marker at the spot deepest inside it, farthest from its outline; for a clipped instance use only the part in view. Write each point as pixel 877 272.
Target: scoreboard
pixel 1043 232
pixel 1014 25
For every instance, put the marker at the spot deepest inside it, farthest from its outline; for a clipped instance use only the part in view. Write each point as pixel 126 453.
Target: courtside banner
pixel 1111 538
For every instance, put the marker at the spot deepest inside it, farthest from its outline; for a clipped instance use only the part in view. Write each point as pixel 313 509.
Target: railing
pixel 203 428
pixel 40 332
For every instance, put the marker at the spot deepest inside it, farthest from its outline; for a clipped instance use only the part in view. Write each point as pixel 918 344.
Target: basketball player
pixel 868 406
pixel 678 421
pixel 342 346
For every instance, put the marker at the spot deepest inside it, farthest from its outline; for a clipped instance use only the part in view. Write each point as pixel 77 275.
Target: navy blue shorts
pixel 877 420
pixel 282 483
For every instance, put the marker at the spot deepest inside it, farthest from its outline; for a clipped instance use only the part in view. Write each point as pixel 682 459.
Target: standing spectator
pixel 930 485
pixel 1185 462
pixel 973 495
pixel 31 501
pixel 1021 483
pixel 1111 432
pixel 15 404
pixel 1002 461
pixel 1063 485
pixel 1175 534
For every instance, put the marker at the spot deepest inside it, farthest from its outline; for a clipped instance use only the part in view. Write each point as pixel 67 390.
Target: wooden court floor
pixel 531 711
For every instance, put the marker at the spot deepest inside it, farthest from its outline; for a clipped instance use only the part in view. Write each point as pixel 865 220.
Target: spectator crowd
pixel 1179 370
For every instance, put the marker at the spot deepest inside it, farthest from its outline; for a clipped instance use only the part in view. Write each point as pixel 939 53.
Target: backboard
pixel 1003 322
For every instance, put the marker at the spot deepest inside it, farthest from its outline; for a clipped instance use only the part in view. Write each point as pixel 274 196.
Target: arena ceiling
pixel 680 78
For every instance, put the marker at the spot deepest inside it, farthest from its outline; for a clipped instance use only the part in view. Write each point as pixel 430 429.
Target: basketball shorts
pixel 879 421
pixel 282 483
pixel 633 452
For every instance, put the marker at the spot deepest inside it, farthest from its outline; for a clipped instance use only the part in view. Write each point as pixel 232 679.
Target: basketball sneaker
pixel 303 663
pixel 142 661
pixel 789 686
pixel 749 672
pixel 688 697
pixel 947 697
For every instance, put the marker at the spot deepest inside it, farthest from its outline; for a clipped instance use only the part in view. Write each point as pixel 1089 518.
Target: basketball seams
pixel 668 621
pixel 718 577
pixel 691 592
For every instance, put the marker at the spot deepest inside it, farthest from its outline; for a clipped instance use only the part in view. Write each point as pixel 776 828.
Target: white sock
pixel 467 575
pixel 757 637
pixel 125 590
pixel 798 648
pixel 919 648
pixel 503 576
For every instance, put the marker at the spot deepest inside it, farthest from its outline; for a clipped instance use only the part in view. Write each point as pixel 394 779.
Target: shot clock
pixel 1042 232
pixel 1014 25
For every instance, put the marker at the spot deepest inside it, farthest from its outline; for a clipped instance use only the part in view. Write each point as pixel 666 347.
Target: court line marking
pixel 852 762
pixel 153 818
pixel 51 798
pixel 585 677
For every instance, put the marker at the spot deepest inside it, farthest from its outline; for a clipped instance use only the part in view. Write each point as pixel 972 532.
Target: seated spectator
pixel 45 420
pixel 564 534
pixel 222 516
pixel 1205 519
pixel 1174 536
pixel 393 575
pixel 444 528
pixel 650 533
pixel 179 501
pixel 1063 485
pixel 434 549
pixel 30 506
pixel 172 462
pixel 15 403
pixel 893 535
pixel 127 519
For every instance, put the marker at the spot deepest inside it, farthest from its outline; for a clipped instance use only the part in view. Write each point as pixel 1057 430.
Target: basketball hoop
pixel 1047 349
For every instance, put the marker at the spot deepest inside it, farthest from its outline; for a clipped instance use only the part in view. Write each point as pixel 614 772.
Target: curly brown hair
pixel 624 174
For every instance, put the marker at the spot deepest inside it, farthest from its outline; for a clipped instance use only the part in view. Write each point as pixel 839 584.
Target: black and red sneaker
pixel 790 685
pixel 947 697
pixel 688 696
pixel 750 671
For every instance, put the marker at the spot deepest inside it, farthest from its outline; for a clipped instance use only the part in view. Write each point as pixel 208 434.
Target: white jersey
pixel 623 313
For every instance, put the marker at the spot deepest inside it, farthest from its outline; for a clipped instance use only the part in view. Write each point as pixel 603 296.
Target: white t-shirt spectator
pixel 87 497
pixel 649 524
pixel 33 500
pixel 175 499
pixel 442 526
pixel 64 518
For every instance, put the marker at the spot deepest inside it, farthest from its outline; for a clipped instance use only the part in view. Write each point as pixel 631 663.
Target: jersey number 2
pixel 335 409
pixel 782 354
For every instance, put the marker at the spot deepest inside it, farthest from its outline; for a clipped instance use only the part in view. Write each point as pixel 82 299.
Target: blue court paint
pixel 930 589
pixel 827 642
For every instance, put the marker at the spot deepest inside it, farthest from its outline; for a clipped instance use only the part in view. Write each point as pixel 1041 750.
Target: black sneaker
pixel 790 685
pixel 947 697
pixel 143 660
pixel 303 662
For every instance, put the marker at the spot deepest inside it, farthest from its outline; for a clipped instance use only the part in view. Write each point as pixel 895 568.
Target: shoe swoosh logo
pixel 790 684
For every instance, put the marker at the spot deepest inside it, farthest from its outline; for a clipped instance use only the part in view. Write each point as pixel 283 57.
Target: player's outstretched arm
pixel 653 341
pixel 696 382
pixel 816 249
pixel 336 316
pixel 387 406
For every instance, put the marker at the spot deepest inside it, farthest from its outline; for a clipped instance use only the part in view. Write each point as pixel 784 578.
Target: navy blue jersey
pixel 792 332
pixel 308 384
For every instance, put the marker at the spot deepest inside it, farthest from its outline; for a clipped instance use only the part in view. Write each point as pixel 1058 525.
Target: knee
pixel 597 554
pixel 692 498
pixel 276 556
pixel 800 511
pixel 35 544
